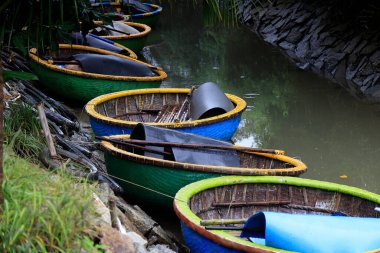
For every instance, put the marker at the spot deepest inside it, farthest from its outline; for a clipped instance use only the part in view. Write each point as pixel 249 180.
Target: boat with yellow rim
pixel 152 178
pixel 212 212
pixel 135 42
pixel 113 8
pixel 120 112
pixel 83 86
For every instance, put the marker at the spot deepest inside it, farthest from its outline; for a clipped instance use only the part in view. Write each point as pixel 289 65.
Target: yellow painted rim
pixel 145 31
pixel 90 108
pixel 160 73
pixel 298 165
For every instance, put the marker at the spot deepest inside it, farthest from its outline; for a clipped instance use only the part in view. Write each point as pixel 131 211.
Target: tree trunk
pixel 1 132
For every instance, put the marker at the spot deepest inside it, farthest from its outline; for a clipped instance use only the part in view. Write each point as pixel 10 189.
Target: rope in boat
pixel 141 186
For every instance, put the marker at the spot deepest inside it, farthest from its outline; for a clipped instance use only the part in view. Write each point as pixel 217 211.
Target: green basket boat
pixel 228 201
pixel 83 86
pixel 167 177
pixel 135 42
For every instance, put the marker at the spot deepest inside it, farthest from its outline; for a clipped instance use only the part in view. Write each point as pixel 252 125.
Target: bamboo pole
pixel 46 130
pixel 222 222
pixel 133 146
pixel 193 146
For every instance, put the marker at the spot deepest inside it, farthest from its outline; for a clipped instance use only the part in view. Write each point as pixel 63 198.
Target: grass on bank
pixel 22 127
pixel 43 211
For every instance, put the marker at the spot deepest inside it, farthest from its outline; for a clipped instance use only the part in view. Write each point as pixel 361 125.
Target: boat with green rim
pixel 84 86
pixel 230 200
pixel 152 180
pixel 135 42
pixel 120 112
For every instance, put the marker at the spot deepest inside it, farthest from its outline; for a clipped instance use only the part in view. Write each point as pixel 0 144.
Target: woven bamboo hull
pixel 135 42
pixel 106 113
pixel 147 20
pixel 168 177
pixel 215 199
pixel 81 88
pixel 223 130
pixel 161 179
pixel 200 244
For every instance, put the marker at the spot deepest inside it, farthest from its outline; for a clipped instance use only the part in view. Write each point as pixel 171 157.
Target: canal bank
pixel 335 39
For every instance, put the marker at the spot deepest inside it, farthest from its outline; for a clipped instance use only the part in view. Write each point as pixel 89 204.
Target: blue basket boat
pixel 119 112
pixel 113 9
pixel 213 211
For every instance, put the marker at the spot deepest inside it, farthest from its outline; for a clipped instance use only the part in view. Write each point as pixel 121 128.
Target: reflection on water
pixel 289 109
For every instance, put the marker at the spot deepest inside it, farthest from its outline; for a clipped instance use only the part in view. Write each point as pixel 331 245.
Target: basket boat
pixel 120 112
pixel 167 177
pixel 135 42
pixel 83 86
pixel 148 18
pixel 235 198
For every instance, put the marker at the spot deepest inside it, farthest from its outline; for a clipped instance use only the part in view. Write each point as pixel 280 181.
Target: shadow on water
pixel 309 117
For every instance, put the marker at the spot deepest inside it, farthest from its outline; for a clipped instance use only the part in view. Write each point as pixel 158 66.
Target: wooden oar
pixel 133 146
pixel 63 62
pixel 194 146
pixel 222 222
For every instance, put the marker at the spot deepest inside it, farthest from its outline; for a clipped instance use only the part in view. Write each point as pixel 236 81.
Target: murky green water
pixel 289 109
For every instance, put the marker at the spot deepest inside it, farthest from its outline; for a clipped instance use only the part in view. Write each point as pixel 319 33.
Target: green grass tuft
pixel 22 131
pixel 43 211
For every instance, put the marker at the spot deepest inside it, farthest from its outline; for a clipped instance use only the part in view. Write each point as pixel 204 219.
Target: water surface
pixel 307 116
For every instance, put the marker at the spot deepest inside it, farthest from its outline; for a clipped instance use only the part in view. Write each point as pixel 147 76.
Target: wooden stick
pixel 178 117
pixel 222 222
pixel 314 209
pixel 249 203
pixel 160 113
pixel 133 145
pixel 197 146
pixel 46 130
pixel 112 208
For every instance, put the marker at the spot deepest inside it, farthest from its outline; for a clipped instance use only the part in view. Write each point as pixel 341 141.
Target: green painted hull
pixel 160 179
pixel 135 44
pixel 150 20
pixel 83 89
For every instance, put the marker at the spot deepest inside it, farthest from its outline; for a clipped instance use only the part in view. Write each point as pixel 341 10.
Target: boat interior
pixel 152 107
pixel 240 201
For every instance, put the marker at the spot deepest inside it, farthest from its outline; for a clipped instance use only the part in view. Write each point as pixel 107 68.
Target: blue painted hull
pixel 199 244
pixel 223 130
